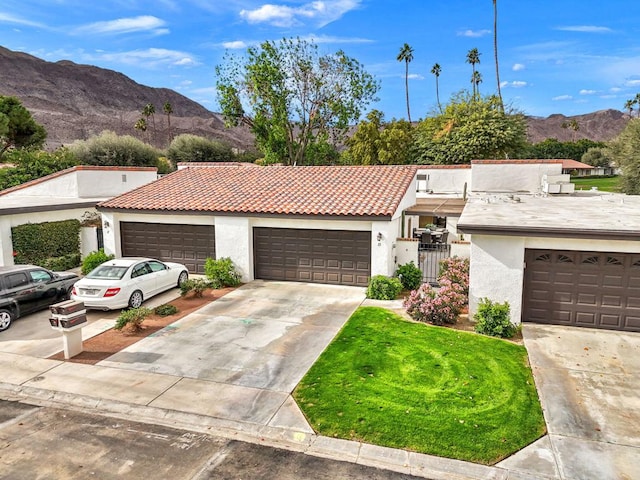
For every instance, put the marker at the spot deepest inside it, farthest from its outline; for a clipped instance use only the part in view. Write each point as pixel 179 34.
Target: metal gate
pixel 429 257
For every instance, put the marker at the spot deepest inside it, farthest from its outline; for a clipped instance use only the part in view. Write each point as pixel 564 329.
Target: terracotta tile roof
pixel 74 169
pixel 516 161
pixel 324 190
pixel 574 164
pixel 445 167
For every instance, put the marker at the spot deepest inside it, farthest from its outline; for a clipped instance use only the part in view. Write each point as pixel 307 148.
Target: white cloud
pixel 473 33
pixel 517 67
pixel 514 84
pixel 562 97
pixel 587 92
pixel 321 12
pixel 632 83
pixel 9 18
pixel 585 29
pixel 143 23
pixel 415 76
pixel 615 89
pixel 608 96
pixel 149 58
pixel 235 45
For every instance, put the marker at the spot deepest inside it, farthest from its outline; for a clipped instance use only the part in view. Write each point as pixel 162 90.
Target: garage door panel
pixel 321 256
pixel 587 289
pixel 187 244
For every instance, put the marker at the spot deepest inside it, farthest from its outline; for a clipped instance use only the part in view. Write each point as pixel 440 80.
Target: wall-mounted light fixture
pixel 106 224
pixel 379 236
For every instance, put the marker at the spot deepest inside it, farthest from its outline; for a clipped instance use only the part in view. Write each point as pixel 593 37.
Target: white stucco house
pixel 557 256
pixel 68 194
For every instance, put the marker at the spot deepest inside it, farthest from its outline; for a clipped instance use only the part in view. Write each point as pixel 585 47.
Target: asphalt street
pixel 41 442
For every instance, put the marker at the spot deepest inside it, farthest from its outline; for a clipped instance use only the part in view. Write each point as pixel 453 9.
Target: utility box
pixel 69 317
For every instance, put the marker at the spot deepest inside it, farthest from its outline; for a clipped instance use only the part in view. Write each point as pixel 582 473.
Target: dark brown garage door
pixel 186 244
pixel 583 289
pixel 318 256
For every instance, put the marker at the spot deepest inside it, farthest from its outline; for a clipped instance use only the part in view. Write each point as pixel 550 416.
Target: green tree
pixel 192 148
pixel 168 110
pixel 435 70
pixel 473 58
pixel 141 125
pixel 471 127
pixel 149 110
pixel 33 164
pixel 573 125
pixel 636 101
pixel 406 56
pixel 596 157
pixel 495 47
pixel 18 129
pixel 111 149
pixel 553 148
pixel 624 151
pixel 476 80
pixel 292 97
pixel 378 143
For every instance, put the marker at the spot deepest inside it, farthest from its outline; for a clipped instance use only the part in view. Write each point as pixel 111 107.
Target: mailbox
pixel 67 314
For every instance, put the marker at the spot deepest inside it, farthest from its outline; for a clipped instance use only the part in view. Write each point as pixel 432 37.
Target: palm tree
pixel 628 105
pixel 637 102
pixel 168 110
pixel 406 55
pixel 148 111
pixel 473 57
pixel 476 80
pixel 141 124
pixel 436 71
pixel 495 50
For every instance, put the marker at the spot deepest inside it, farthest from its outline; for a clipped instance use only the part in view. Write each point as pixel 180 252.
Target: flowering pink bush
pixel 456 270
pixel 437 306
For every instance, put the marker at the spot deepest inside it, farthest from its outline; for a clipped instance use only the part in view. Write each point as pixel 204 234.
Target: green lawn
pixel 434 390
pixel 605 184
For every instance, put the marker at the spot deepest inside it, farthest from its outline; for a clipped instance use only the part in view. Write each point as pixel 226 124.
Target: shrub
pixel 111 149
pixel 493 319
pixel 192 148
pixel 133 318
pixel 165 310
pixel 409 275
pixel 383 288
pixel 36 242
pixel 60 264
pixel 195 285
pixel 456 270
pixel 438 306
pixel 33 164
pixel 221 272
pixel 93 259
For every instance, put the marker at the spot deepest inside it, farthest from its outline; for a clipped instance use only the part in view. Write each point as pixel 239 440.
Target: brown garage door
pixel 319 256
pixel 584 289
pixel 186 244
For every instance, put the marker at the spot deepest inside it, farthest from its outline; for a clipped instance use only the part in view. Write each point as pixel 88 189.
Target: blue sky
pixel 561 56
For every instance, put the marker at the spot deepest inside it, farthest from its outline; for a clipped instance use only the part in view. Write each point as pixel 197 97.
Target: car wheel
pixel 6 317
pixel 184 276
pixel 67 296
pixel 136 299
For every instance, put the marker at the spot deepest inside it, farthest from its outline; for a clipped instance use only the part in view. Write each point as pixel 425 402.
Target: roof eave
pixel 549 232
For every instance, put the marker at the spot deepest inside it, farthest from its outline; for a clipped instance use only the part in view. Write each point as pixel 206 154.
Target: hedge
pixel 51 244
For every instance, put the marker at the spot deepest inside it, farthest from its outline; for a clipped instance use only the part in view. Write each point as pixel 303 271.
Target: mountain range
pixel 75 101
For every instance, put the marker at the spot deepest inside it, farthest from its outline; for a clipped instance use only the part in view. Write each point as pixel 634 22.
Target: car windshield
pixel 108 272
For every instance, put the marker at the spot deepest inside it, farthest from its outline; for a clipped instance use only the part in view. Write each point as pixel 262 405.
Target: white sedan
pixel 127 282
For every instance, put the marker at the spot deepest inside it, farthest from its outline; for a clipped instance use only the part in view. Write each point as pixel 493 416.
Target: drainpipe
pixel 402 228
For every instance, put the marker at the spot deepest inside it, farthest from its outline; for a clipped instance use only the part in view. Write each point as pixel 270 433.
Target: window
pixel 421 184
pixel 15 280
pixel 40 276
pixel 140 269
pixel 157 266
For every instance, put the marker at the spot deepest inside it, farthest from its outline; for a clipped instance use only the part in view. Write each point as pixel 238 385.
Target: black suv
pixel 26 288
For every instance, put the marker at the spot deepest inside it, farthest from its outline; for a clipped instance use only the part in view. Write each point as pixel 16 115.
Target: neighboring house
pixel 68 194
pixel 579 169
pixel 566 258
pixel 315 224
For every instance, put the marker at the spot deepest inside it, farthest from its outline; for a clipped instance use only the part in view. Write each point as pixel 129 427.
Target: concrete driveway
pixel 588 381
pixel 263 335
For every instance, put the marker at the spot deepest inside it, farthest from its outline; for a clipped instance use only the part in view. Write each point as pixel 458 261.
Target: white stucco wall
pixel 64 186
pixel 496 272
pixel 511 177
pixel 234 239
pixel 88 240
pixel 110 182
pixel 445 180
pixel 406 251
